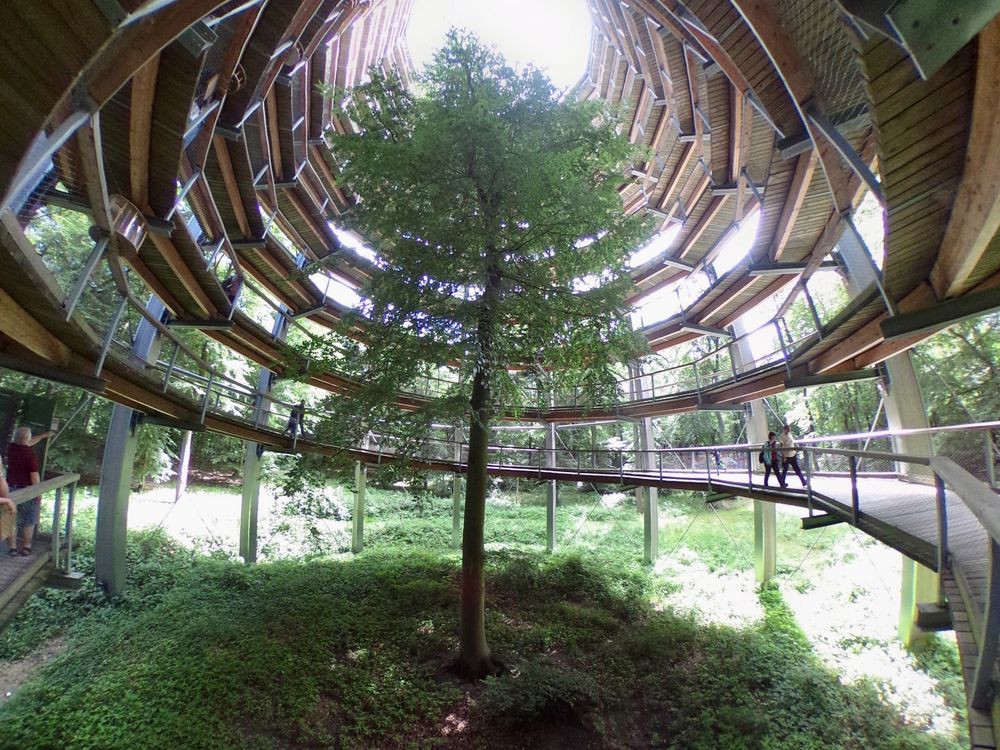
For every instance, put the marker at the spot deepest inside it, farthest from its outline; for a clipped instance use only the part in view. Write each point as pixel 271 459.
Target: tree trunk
pixel 474 657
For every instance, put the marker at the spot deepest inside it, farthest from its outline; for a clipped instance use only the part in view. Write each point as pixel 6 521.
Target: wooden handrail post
pixel 56 512
pixel 71 496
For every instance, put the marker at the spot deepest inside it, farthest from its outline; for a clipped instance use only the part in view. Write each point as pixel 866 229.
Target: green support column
pixel 456 511
pixel 116 471
pixel 650 525
pixel 919 586
pixel 765 536
pixel 551 490
pixel 457 493
pixel 360 480
pixel 765 555
pixel 252 454
pixel 112 503
pixel 249 504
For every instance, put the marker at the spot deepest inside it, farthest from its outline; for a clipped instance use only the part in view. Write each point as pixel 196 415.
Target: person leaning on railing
pixel 24 472
pixel 8 514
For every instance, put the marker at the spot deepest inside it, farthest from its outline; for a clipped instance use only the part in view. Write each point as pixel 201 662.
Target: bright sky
pixel 553 35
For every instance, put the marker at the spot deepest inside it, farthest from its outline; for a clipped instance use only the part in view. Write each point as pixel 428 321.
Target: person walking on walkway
pixel 772 460
pixel 24 472
pixel 789 456
pixel 295 417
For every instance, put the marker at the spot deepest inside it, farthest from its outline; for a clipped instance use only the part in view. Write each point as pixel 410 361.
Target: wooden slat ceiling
pixel 231 107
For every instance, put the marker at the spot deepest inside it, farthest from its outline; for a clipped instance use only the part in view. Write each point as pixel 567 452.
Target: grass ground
pixel 354 651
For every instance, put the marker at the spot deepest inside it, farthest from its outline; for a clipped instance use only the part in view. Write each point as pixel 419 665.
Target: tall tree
pixel 494 210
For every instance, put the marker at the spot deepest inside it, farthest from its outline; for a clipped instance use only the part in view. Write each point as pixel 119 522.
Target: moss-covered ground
pixel 336 651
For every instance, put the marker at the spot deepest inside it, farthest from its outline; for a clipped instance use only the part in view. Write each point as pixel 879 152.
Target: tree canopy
pixel 494 210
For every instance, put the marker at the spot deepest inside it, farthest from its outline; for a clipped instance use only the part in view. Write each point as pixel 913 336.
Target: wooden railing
pixel 61 542
pixel 984 616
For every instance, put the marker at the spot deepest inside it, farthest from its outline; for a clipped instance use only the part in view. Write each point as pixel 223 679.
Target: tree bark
pixel 474 656
pixel 474 660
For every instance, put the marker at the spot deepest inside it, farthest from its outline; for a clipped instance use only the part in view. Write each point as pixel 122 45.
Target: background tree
pixel 494 210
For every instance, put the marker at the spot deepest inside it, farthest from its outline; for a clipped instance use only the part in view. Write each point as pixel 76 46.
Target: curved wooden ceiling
pixel 771 105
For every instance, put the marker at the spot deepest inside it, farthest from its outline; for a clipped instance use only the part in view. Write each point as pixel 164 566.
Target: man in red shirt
pixel 23 471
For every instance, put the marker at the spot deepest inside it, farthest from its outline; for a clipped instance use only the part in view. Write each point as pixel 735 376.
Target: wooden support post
pixel 358 525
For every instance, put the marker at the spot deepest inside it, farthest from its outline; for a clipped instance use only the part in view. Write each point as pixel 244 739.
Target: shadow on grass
pixel 206 653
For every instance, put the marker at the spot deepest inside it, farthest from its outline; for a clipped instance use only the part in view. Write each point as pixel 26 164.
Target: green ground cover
pixel 354 652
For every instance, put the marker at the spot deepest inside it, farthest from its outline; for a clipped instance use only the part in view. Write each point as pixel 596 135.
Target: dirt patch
pixel 15 673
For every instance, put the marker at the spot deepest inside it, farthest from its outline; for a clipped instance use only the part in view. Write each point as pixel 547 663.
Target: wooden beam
pixel 307 216
pixel 89 143
pixel 149 279
pixel 805 166
pixel 232 186
pixel 140 122
pixel 870 334
pixel 725 298
pixel 773 288
pixel 20 326
pixel 664 282
pixel 265 282
pixel 703 223
pixel 274 135
pixel 738 143
pixel 763 18
pixel 275 266
pixel 678 173
pixel 975 214
pixel 168 251
pixel 692 67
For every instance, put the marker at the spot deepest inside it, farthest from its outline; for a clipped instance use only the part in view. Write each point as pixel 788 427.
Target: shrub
pixel 539 692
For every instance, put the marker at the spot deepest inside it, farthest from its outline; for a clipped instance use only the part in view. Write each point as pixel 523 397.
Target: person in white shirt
pixel 789 456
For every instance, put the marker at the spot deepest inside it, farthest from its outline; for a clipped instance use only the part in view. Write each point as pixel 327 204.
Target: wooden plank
pixel 805 166
pixel 763 17
pixel 140 122
pixel 675 177
pixel 183 274
pixel 232 188
pixel 20 326
pixel 975 218
pixel 714 207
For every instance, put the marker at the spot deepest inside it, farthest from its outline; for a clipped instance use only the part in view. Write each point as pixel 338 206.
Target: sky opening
pixel 553 35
